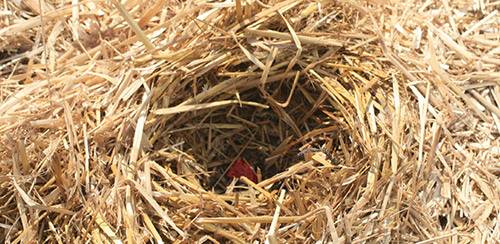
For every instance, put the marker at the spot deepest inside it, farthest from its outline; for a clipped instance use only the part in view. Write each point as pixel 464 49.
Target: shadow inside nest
pixel 270 139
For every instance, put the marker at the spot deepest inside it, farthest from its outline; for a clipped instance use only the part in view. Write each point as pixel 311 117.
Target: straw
pixel 364 121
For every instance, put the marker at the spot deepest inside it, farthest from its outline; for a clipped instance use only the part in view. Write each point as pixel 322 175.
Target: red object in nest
pixel 241 168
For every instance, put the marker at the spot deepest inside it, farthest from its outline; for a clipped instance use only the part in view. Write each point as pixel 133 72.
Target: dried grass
pixel 372 121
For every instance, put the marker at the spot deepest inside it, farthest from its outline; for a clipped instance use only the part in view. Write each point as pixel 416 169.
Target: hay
pixel 369 121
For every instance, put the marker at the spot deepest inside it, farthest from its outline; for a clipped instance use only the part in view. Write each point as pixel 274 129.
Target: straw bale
pixel 366 121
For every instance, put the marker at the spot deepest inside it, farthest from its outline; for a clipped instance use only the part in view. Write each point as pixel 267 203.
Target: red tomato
pixel 241 168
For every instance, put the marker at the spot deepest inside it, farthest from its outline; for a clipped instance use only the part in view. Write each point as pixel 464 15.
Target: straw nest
pixel 367 121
